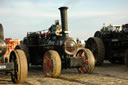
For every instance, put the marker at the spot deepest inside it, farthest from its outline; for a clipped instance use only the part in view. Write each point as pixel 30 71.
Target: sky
pixel 84 16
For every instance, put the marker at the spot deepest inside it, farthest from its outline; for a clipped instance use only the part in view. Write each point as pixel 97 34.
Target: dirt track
pixel 107 74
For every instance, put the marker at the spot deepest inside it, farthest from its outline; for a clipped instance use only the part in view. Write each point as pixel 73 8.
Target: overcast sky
pixel 84 16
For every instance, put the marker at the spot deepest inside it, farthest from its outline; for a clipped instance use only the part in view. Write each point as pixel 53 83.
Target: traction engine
pixel 55 50
pixel 12 61
pixel 110 43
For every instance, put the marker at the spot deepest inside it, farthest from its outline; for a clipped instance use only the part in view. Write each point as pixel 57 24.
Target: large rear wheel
pixel 20 71
pixel 52 64
pixel 88 58
pixel 96 45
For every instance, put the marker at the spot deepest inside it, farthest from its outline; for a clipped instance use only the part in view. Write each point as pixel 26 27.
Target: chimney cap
pixel 63 7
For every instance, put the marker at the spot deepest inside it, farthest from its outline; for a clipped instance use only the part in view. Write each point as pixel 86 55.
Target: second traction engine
pixel 110 43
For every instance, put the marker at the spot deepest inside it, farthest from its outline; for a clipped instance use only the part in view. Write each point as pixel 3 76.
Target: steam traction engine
pixel 55 50
pixel 14 62
pixel 110 43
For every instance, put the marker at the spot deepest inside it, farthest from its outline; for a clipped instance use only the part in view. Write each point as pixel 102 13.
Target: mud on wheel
pixel 26 51
pixel 96 45
pixel 88 58
pixel 51 64
pixel 20 71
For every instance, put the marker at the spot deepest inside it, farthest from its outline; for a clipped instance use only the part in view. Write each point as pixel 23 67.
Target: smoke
pixel 35 3
pixel 5 3
pixel 72 2
pixel 2 2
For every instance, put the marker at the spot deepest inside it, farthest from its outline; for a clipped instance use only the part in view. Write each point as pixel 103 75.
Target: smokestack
pixel 64 22
pixel 1 32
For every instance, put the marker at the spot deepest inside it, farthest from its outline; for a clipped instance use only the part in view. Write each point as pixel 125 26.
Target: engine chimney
pixel 1 32
pixel 64 22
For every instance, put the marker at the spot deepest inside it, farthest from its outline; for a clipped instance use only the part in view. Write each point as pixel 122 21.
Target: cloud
pixel 26 13
pixel 34 4
pixel 89 14
pixel 47 9
pixel 38 13
pixel 93 14
pixel 31 15
pixel 29 9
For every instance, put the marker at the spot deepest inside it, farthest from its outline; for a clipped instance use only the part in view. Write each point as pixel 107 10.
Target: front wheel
pixel 52 64
pixel 88 58
pixel 20 71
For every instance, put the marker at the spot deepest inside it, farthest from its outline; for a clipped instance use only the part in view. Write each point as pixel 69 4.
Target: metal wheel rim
pixel 48 65
pixel 14 74
pixel 20 72
pixel 84 68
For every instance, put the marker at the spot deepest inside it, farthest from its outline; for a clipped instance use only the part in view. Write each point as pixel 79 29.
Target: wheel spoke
pixel 82 54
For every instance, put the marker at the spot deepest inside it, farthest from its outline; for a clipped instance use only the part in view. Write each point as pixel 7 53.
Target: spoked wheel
pixel 20 71
pixel 51 64
pixel 96 45
pixel 88 58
